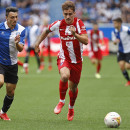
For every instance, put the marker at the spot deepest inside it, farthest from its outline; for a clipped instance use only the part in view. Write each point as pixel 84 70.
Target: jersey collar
pixel 7 27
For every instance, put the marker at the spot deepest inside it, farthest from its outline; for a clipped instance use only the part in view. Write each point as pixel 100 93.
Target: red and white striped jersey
pixel 94 39
pixel 70 49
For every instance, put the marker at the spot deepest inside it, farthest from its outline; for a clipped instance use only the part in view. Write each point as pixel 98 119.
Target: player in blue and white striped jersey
pixel 32 32
pixel 121 36
pixel 12 37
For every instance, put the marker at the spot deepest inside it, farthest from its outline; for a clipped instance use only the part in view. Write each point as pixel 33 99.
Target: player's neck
pixel 119 28
pixel 70 22
pixel 10 26
pixel 95 31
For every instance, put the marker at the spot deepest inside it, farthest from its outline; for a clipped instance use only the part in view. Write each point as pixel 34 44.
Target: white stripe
pixel 78 27
pixel 81 45
pixel 12 48
pixel 100 35
pixel 61 53
pixel 55 26
pixel 71 51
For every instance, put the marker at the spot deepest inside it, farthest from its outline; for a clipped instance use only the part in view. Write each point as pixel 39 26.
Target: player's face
pixel 12 19
pixel 30 22
pixel 95 27
pixel 116 24
pixel 69 16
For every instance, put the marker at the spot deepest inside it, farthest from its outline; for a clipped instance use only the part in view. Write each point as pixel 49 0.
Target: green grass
pixel 37 94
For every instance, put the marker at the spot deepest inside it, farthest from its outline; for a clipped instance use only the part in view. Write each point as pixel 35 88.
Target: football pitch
pixel 37 95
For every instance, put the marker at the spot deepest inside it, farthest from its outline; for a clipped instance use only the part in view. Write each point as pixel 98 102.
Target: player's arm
pixel 115 40
pixel 40 39
pixel 83 38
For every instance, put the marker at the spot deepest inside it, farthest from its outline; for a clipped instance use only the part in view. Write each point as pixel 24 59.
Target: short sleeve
pixel 113 37
pixel 54 26
pixel 101 36
pixel 81 27
pixel 22 37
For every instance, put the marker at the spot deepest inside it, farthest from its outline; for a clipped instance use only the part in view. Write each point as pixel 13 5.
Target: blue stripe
pixel 129 31
pixel 120 45
pixel 4 45
pixel 28 36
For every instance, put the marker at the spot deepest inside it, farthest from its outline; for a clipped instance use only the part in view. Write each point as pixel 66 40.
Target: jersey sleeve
pixel 22 37
pixel 101 36
pixel 54 26
pixel 37 32
pixel 113 36
pixel 81 27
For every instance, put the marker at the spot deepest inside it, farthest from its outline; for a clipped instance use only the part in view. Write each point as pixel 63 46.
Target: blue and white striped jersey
pixel 32 33
pixel 124 36
pixel 8 51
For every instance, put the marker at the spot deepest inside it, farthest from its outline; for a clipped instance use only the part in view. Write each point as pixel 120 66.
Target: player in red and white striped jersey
pixel 72 33
pixel 95 53
pixel 45 44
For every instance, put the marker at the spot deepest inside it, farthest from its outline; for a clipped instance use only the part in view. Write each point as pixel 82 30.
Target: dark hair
pixel 94 23
pixel 119 20
pixel 67 5
pixel 11 9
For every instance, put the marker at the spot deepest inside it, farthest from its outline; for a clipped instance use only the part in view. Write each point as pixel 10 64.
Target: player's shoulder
pixel 78 20
pixel 125 28
pixel 57 22
pixel 89 31
pixel 100 31
pixel 20 27
pixel 1 24
pixel 35 26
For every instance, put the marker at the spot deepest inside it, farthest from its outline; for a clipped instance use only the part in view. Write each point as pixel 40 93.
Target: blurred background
pixel 87 10
pixel 37 94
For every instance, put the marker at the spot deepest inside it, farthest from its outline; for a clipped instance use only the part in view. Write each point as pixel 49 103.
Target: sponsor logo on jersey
pixel 67 38
pixel 2 33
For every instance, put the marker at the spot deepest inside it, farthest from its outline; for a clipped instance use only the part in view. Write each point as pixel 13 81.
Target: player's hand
pixel 116 41
pixel 37 49
pixel 17 39
pixel 72 29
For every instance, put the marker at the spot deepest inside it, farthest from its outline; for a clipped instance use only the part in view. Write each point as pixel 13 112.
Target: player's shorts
pixel 95 55
pixel 30 49
pixel 10 73
pixel 75 69
pixel 123 57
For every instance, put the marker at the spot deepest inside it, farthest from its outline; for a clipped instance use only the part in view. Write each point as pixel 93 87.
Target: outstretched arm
pixel 40 39
pixel 83 38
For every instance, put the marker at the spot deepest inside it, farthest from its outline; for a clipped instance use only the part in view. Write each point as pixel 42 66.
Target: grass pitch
pixel 37 94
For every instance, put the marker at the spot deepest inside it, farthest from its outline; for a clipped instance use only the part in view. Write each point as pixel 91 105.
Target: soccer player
pixel 95 53
pixel 45 44
pixel 121 36
pixel 32 32
pixel 12 37
pixel 73 35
